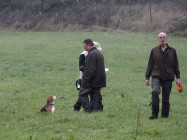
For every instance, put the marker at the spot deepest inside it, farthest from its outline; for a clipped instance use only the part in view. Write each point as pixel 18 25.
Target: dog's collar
pixel 51 104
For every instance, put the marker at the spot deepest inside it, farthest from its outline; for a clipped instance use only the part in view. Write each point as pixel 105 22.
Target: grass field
pixel 34 65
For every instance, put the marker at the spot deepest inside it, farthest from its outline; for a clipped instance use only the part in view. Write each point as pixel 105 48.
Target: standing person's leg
pixel 100 101
pixel 83 96
pixel 166 90
pixel 156 84
pixel 77 105
pixel 96 99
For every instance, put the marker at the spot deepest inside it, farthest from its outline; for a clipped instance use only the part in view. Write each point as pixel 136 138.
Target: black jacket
pixel 82 58
pixel 94 71
pixel 163 64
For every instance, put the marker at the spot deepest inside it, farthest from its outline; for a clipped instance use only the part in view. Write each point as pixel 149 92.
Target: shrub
pixel 179 26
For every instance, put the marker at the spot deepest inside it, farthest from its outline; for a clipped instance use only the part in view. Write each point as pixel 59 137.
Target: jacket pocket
pixel 170 71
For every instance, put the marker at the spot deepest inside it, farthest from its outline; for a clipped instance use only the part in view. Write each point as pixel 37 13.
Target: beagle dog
pixel 49 107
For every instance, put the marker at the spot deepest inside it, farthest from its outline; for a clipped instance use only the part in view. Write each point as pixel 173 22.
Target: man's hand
pixel 78 84
pixel 147 83
pixel 179 85
pixel 178 82
pixel 81 68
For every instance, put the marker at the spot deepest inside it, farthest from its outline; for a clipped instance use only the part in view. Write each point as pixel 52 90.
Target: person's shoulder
pixel 85 53
pixel 92 51
pixel 171 48
pixel 97 52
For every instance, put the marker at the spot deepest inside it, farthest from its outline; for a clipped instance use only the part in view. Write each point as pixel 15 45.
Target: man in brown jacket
pixel 163 66
pixel 94 78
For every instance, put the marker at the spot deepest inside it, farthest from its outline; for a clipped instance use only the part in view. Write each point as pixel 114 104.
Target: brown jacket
pixel 163 65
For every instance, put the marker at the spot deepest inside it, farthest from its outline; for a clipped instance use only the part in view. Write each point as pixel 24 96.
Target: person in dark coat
pixel 163 67
pixel 82 58
pixel 94 78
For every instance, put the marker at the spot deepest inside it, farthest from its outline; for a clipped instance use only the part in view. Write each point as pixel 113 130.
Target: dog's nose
pixel 54 97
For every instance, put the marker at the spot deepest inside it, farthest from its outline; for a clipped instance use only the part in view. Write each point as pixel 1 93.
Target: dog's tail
pixel 43 109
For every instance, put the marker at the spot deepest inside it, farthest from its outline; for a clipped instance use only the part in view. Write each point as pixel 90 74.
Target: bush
pixel 179 26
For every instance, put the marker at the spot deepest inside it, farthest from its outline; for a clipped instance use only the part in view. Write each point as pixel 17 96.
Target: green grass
pixel 34 65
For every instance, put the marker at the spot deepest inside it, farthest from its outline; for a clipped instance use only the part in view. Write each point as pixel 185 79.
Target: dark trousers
pixel 94 102
pixel 166 90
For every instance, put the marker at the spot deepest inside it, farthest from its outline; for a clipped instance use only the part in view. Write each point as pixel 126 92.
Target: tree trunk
pixel 150 8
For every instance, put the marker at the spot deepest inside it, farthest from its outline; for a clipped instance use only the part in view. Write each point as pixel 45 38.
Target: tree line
pixel 113 14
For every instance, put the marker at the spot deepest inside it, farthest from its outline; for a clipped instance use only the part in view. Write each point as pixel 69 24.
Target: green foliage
pixel 34 65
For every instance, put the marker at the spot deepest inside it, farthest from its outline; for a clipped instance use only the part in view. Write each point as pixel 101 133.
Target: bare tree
pixel 150 10
pixel 42 6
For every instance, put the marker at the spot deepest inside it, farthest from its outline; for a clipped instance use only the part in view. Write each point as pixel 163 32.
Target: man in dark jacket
pixel 94 78
pixel 163 66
